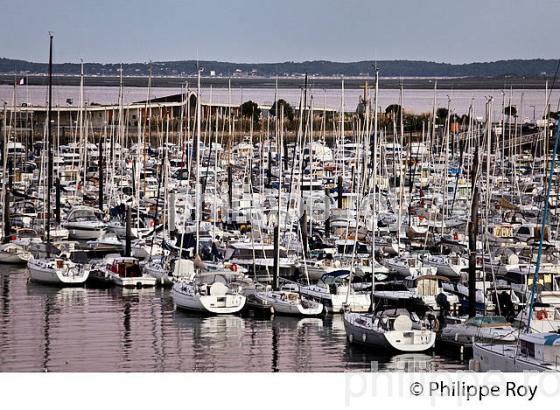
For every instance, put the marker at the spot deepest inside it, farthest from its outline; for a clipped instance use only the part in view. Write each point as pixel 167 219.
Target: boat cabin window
pixel 480 321
pixel 527 348
pixel 127 269
pixel 331 280
pixel 82 216
pixel 390 286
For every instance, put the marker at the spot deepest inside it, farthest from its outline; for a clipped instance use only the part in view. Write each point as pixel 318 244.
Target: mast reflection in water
pixel 78 329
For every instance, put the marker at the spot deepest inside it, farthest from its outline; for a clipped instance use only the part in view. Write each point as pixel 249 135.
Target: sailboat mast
pixel 276 230
pixel 374 184
pixel 4 190
pixel 197 182
pixel 49 150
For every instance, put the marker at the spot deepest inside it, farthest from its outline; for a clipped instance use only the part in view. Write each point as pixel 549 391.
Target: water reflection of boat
pixel 290 322
pixel 356 357
pixel 128 292
pixel 69 294
pixel 227 325
pixel 409 362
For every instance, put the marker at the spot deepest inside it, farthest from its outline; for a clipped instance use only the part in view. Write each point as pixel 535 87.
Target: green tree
pixel 441 115
pixel 288 109
pixel 510 111
pixel 250 109
pixel 393 110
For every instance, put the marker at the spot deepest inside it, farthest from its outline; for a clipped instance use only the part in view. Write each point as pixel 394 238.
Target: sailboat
pixel 58 271
pixel 393 329
pixel 206 292
pixel 489 329
pixel 287 301
pixel 534 351
pixel 54 271
pixel 334 291
pixel 209 292
pixel 11 253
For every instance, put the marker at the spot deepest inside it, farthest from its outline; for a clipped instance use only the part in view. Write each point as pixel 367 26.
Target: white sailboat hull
pixel 505 358
pixel 291 308
pixel 403 341
pixel 211 304
pixel 159 273
pixel 334 303
pixel 13 254
pixel 42 272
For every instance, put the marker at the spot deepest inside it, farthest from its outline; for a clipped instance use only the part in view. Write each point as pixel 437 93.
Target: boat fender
pixel 474 365
pixel 364 337
pixel 350 337
pixel 435 325
pixel 542 314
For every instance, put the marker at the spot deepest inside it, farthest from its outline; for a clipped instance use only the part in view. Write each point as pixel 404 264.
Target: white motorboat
pixel 57 271
pixel 535 352
pixel 82 223
pixel 212 293
pixel 494 329
pixel 125 271
pixel 58 233
pixel 392 330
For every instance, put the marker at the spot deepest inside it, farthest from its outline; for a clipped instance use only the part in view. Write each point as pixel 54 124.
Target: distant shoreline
pixel 458 83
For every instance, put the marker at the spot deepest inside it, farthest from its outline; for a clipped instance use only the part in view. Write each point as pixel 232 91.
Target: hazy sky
pixel 281 30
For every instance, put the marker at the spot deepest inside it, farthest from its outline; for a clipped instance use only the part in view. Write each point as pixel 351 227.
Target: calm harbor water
pixel 417 101
pixel 78 329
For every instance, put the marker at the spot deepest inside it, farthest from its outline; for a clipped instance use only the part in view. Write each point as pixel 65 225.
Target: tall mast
pixel 276 231
pixel 4 191
pixel 374 182
pixel 49 150
pixel 433 134
pixel 342 124
pixel 82 102
pixel 197 182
